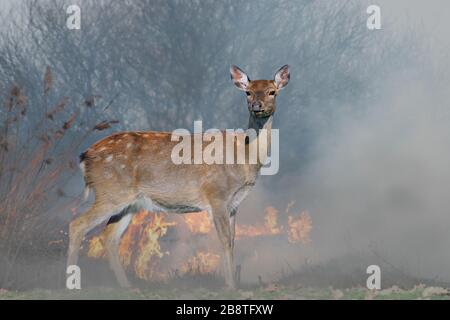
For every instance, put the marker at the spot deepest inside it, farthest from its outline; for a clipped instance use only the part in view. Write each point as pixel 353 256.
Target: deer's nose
pixel 256 106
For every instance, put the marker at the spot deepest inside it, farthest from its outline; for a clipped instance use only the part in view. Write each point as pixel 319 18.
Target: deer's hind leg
pixel 98 213
pixel 115 228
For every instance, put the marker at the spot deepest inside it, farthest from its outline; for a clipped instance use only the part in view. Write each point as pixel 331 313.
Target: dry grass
pixel 38 157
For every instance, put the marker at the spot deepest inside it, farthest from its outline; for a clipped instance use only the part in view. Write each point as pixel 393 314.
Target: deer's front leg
pixel 226 236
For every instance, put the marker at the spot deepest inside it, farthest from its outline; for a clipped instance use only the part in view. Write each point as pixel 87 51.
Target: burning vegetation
pixel 158 245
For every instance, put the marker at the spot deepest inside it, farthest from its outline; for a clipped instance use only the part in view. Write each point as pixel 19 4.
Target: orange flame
pixel 299 229
pixel 140 247
pixel 96 248
pixel 198 222
pixel 203 262
pixel 270 226
pixel 149 247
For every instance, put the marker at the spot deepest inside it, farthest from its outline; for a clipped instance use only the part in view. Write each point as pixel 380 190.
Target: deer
pixel 132 170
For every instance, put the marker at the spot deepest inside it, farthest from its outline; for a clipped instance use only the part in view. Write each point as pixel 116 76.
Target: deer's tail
pixel 87 188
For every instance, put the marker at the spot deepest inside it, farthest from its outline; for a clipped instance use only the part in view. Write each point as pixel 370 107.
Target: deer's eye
pixel 271 93
pixel 248 93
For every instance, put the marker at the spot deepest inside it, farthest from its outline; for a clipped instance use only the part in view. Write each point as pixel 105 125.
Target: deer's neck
pixel 262 141
pixel 257 124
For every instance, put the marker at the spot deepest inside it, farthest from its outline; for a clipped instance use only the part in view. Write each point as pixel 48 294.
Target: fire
pixel 147 249
pixel 299 229
pixel 271 221
pixel 270 226
pixel 198 222
pixel 143 233
pixel 96 248
pixel 203 262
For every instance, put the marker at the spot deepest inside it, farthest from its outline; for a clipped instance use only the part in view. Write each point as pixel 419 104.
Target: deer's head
pixel 261 94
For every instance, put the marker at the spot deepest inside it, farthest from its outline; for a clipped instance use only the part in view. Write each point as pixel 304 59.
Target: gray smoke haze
pixel 377 182
pixel 381 180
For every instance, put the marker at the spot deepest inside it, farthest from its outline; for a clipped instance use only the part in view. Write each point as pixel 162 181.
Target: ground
pixel 418 292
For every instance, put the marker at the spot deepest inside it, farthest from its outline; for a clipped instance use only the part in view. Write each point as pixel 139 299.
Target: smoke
pixel 382 180
pixel 377 183
pixel 377 179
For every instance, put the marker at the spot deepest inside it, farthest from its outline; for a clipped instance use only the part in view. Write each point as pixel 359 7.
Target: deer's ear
pixel 282 77
pixel 240 79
